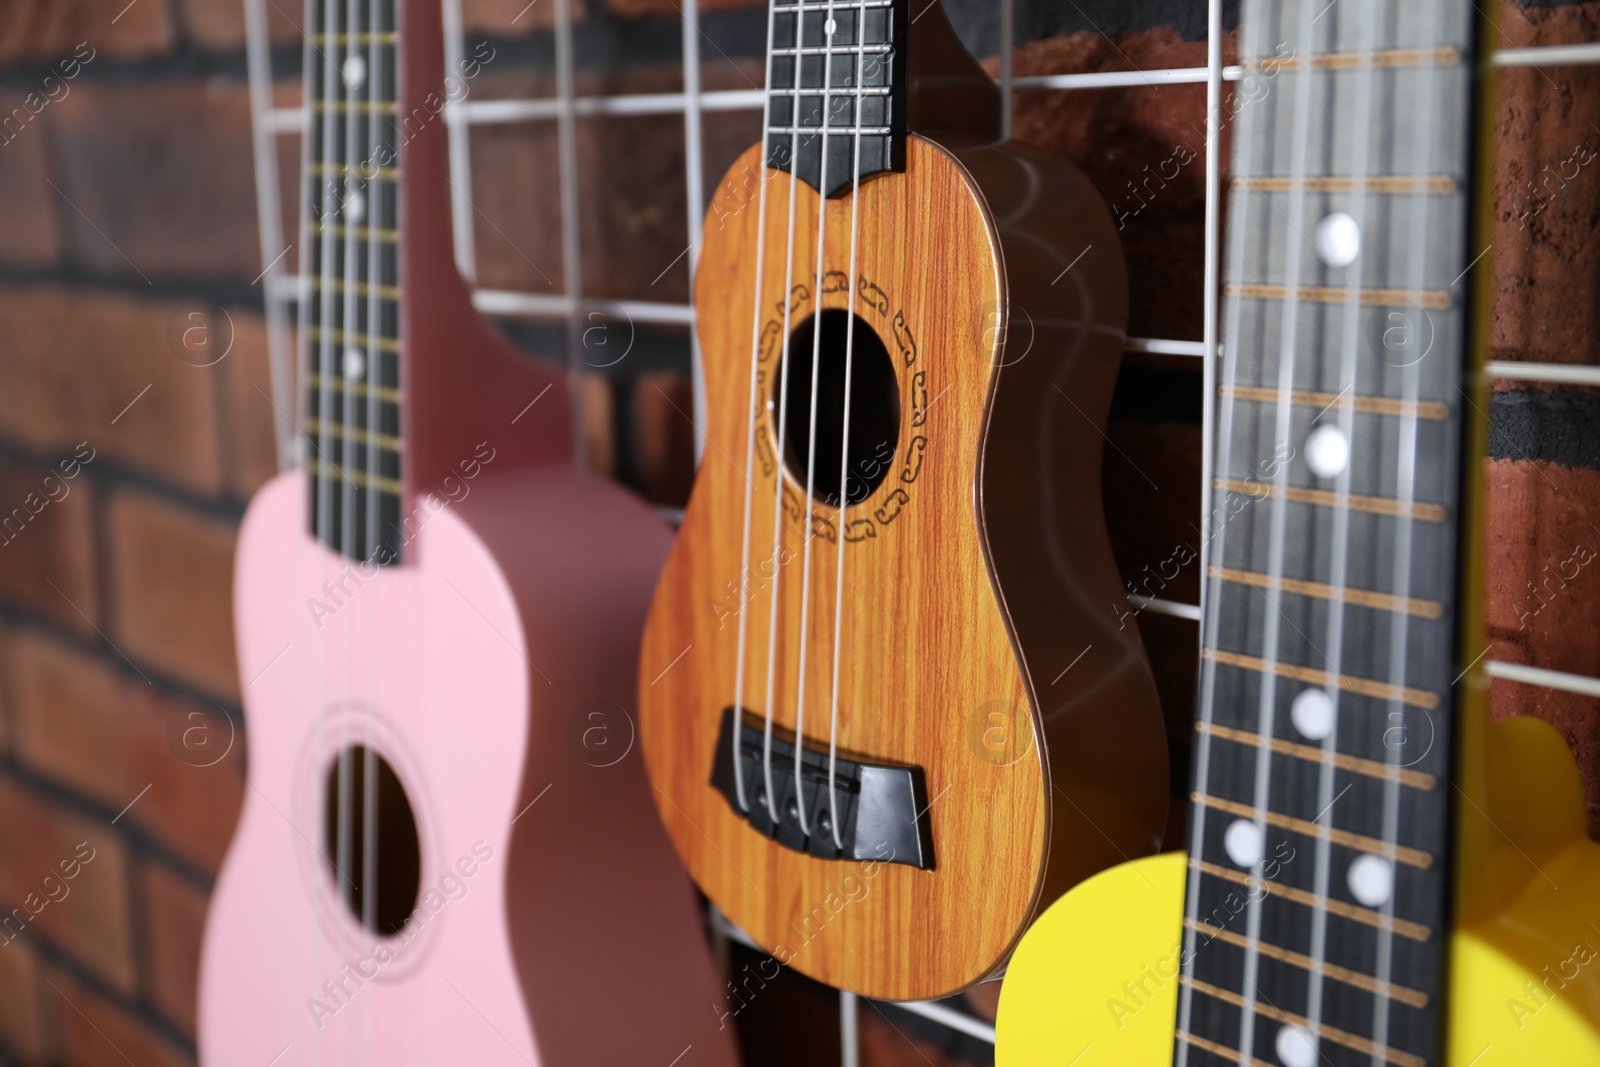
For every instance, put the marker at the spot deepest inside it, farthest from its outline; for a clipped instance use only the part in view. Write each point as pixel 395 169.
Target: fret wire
pixel 1425 609
pixel 1386 59
pixel 1404 994
pixel 1396 184
pixel 362 171
pixel 1230 1055
pixel 356 477
pixel 1398 1057
pixel 1412 931
pixel 1370 405
pixel 1322 498
pixel 1433 300
pixel 1411 857
pixel 1417 698
pixel 833 131
pixel 359 388
pixel 865 90
pixel 361 107
pixel 837 50
pixel 1355 764
pixel 355 38
pixel 337 230
pixel 384 441
pixel 338 285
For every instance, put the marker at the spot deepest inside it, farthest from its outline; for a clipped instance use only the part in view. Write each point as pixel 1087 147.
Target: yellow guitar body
pixel 1095 981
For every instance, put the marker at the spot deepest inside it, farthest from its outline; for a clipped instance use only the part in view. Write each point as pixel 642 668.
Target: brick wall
pixel 127 207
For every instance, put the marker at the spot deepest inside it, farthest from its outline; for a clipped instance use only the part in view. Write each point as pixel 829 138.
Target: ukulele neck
pixel 836 102
pixel 352 333
pixel 1316 910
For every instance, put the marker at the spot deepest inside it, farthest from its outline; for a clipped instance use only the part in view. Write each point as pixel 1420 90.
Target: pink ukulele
pixel 448 853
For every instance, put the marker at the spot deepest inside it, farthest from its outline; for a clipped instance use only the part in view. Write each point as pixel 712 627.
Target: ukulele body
pixel 983 638
pixel 480 669
pixel 1097 976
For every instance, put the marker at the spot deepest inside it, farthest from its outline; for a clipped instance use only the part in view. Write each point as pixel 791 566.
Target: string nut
pixel 1371 880
pixel 1243 842
pixel 1327 451
pixel 1295 1046
pixel 1338 239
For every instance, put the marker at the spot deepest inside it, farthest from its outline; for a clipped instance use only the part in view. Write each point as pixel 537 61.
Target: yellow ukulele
pixel 1354 891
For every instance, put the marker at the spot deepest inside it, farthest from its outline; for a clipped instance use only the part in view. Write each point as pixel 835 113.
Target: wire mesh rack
pixel 691 104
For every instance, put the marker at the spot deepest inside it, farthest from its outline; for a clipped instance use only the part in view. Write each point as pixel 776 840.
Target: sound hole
pixel 395 865
pixel 874 406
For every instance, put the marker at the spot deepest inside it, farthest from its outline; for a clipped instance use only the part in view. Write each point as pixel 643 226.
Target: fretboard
pixel 836 89
pixel 351 321
pixel 1317 902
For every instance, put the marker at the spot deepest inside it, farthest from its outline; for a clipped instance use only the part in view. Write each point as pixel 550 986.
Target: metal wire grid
pixel 283 289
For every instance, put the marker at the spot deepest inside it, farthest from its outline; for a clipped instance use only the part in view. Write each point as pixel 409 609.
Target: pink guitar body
pixel 493 669
pixel 577 940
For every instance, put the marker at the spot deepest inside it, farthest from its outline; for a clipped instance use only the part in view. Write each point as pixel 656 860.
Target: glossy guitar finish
pixel 490 666
pixel 980 638
pixel 1097 975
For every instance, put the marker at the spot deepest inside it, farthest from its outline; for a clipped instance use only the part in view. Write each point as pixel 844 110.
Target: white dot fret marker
pixel 1371 880
pixel 1295 1047
pixel 354 71
pixel 1243 842
pixel 355 205
pixel 1327 451
pixel 1338 239
pixel 355 364
pixel 1312 713
pixel 832 27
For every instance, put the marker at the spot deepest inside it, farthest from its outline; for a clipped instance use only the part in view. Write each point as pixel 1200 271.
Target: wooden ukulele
pixel 446 853
pixel 1319 916
pixel 886 698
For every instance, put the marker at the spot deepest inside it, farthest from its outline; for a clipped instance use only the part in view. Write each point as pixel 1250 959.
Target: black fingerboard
pixel 836 78
pixel 1316 907
pixel 351 319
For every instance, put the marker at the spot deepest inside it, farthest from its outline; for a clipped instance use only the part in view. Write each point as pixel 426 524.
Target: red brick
pixel 107 734
pixel 1521 26
pixel 631 205
pixel 49 553
pixel 77 362
pixel 30 233
pixel 218 25
pixel 663 436
pixel 249 419
pixel 504 18
pixel 634 9
pixel 171 590
pixel 92 923
pixel 96 1032
pixel 176 915
pixel 161 176
pixel 19 1000
pixel 1114 134
pixel 1545 264
pixel 48 30
pixel 1543 522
